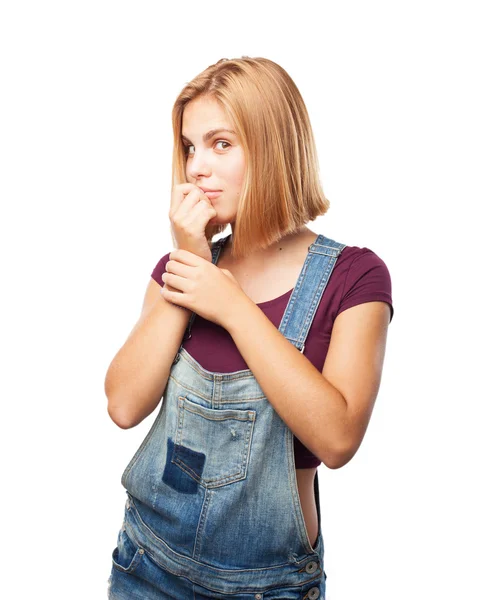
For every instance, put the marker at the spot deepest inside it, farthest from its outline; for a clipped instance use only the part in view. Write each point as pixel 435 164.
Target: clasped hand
pixel 205 289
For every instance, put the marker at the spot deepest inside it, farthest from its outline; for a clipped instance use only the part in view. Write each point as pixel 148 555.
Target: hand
pixel 190 212
pixel 205 289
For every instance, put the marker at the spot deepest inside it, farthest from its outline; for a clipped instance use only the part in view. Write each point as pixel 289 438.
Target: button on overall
pixel 311 567
pixel 313 594
pixel 210 487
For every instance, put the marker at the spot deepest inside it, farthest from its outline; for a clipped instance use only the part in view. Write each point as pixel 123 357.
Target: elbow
pixel 337 462
pixel 122 420
pixel 339 458
pixel 125 417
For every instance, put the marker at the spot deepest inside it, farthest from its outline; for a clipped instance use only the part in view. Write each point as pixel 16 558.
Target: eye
pixel 222 142
pixel 187 146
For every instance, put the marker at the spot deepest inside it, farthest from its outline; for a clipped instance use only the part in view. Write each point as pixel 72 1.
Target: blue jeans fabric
pixel 213 508
pixel 143 570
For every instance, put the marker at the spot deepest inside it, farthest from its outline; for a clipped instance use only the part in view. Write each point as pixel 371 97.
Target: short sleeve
pixel 367 280
pixel 160 268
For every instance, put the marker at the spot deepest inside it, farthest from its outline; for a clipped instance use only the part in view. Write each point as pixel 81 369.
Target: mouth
pixel 212 193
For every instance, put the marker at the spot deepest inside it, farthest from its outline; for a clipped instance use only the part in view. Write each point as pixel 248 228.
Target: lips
pixel 211 194
pixel 208 190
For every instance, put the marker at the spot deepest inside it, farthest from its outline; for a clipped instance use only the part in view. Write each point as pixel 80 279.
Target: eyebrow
pixel 210 134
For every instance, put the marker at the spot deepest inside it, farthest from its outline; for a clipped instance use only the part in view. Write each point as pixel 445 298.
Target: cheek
pixel 238 172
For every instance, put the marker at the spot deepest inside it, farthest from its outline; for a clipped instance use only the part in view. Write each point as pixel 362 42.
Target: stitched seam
pixel 344 284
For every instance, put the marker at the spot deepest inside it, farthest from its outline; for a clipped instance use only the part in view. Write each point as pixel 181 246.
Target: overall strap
pixel 306 296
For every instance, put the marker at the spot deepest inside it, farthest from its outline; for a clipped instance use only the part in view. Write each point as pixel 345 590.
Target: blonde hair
pixel 281 190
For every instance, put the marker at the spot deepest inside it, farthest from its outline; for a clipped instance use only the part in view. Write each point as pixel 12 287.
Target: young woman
pixel 266 346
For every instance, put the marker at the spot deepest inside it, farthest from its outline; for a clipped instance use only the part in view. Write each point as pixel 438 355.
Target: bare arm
pixel 137 376
pixel 328 411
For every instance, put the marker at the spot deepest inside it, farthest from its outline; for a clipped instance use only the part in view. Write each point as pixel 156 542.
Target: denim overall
pixel 212 508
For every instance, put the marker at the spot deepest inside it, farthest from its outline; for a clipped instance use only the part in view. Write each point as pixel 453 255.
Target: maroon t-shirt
pixel 359 275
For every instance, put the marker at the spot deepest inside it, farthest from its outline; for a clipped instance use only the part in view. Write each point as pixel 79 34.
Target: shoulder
pixel 364 277
pixel 361 259
pixel 159 268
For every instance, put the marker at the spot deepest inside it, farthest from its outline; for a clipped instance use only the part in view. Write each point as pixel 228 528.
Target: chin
pixel 223 219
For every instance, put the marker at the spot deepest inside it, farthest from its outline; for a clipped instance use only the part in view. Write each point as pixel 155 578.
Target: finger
pixel 177 268
pixel 185 197
pixel 201 212
pixel 178 195
pixel 184 256
pixel 176 281
pixel 174 297
pixel 187 202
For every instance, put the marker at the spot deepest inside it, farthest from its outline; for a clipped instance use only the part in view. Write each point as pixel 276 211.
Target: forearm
pixel 311 407
pixel 137 377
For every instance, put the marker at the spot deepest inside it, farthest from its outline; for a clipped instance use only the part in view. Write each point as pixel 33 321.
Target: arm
pixel 329 411
pixel 137 376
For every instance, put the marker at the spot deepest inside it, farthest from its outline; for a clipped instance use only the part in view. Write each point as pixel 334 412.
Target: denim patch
pixel 174 476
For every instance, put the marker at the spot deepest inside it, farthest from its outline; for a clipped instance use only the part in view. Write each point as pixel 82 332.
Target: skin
pixel 219 163
pixel 215 163
pixel 357 346
pixel 328 411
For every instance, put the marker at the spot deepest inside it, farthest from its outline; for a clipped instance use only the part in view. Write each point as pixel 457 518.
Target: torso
pixel 263 278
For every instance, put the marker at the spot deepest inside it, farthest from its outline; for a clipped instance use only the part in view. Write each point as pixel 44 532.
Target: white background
pixel 85 156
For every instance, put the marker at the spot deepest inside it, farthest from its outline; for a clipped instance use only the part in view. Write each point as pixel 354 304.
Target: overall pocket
pixel 213 445
pixel 126 556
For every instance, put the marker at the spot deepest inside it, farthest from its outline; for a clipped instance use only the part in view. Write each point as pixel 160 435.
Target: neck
pixel 281 244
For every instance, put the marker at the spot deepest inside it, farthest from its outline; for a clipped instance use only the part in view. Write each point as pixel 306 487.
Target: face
pixel 216 163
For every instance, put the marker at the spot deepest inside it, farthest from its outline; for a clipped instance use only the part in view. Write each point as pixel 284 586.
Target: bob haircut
pixel 281 190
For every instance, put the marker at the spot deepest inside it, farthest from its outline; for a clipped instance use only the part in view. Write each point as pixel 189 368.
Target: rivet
pixel 257 597
pixel 142 551
pixel 311 567
pixel 313 593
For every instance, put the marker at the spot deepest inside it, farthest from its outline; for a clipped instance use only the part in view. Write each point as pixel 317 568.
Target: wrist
pixel 182 308
pixel 238 312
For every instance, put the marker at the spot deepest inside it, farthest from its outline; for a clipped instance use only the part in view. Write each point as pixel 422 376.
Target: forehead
pixel 203 114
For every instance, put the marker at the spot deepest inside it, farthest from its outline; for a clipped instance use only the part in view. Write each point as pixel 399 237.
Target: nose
pixel 198 165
